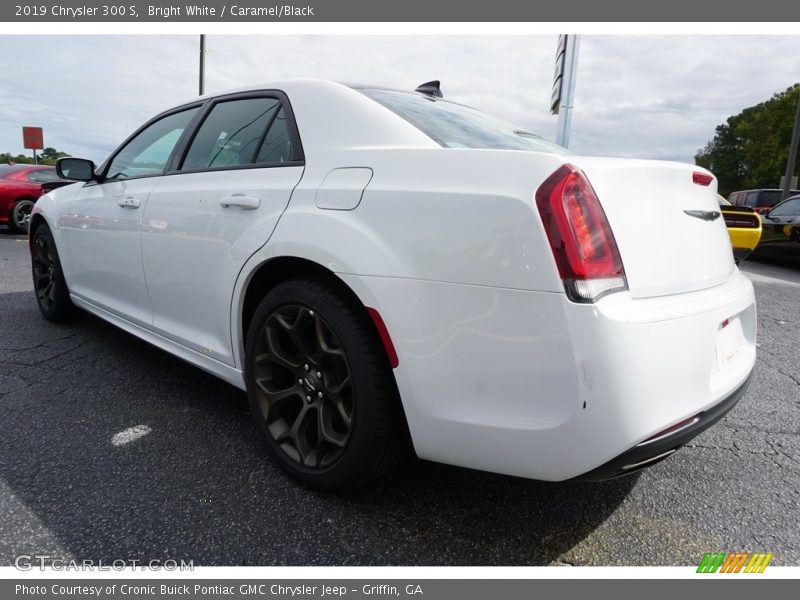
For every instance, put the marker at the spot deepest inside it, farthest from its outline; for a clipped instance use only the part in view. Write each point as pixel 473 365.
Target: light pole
pixel 790 164
pixel 202 62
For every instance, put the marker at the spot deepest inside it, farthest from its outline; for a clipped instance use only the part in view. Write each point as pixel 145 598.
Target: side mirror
pixel 79 169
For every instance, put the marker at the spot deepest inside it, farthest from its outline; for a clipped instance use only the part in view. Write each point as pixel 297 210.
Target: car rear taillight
pixel 583 245
pixel 701 178
pixel 741 221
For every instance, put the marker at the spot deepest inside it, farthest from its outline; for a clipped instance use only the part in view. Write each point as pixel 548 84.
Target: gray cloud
pixel 646 96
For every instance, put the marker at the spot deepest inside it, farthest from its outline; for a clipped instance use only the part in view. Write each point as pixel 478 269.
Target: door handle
pixel 240 201
pixel 129 202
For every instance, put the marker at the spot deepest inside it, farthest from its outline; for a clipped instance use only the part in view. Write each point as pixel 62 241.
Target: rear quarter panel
pixel 440 215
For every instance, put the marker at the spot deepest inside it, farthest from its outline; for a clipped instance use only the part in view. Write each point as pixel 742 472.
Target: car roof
pixel 8 169
pixel 334 116
pixel 289 84
pixel 765 190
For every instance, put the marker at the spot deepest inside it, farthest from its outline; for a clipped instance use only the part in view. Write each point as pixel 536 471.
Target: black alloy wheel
pixel 304 387
pixel 321 390
pixel 52 294
pixel 21 215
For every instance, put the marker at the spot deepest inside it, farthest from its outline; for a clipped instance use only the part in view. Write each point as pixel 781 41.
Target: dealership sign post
pixel 33 139
pixel 561 99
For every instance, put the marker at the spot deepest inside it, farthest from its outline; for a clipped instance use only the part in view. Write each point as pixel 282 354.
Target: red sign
pixel 33 138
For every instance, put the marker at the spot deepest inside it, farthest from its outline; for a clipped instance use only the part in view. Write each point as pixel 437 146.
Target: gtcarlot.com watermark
pixel 29 562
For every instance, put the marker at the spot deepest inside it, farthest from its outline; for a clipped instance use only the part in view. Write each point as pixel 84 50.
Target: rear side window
pixel 277 145
pixel 456 126
pixel 751 200
pixel 235 133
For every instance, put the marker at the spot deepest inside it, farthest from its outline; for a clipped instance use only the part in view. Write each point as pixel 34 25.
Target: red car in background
pixel 20 186
pixel 761 200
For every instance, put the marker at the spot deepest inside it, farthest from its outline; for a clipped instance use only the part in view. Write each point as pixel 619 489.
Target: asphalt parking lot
pixel 199 486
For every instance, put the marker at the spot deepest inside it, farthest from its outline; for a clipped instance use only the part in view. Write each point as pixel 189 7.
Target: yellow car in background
pixel 744 228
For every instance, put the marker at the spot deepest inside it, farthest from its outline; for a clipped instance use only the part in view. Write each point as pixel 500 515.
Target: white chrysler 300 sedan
pixel 383 269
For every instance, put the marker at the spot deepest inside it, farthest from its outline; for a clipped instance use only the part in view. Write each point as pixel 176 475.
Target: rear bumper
pixel 743 241
pixel 649 452
pixel 532 385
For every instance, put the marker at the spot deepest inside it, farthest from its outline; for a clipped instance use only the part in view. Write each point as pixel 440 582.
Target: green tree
pixel 750 149
pixel 48 156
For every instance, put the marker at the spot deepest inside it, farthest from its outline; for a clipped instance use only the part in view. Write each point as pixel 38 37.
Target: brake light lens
pixel 580 237
pixel 702 178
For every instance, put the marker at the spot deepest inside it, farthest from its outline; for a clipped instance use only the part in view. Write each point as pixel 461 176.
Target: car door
pixel 217 206
pixel 781 230
pixel 103 230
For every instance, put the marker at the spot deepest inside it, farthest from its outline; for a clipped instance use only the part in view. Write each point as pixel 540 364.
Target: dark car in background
pixel 780 237
pixel 20 186
pixel 759 200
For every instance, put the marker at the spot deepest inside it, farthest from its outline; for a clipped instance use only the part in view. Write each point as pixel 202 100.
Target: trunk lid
pixel 665 249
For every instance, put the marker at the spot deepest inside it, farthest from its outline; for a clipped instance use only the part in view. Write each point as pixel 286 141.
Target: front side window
pixel 149 152
pixel 789 208
pixel 233 134
pixel 453 125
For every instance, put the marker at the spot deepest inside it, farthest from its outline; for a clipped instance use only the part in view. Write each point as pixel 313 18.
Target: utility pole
pixel 563 95
pixel 202 62
pixel 790 164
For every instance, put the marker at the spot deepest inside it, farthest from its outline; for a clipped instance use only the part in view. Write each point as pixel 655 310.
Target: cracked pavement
pixel 199 487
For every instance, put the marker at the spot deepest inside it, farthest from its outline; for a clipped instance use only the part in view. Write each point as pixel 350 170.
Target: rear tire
pixel 320 387
pixel 20 216
pixel 49 285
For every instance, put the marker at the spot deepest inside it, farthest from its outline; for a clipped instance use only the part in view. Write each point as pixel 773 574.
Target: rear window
pixel 6 170
pixel 769 198
pixel 43 176
pixel 456 126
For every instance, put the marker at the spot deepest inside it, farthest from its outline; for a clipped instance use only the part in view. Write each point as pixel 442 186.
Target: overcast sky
pixel 644 96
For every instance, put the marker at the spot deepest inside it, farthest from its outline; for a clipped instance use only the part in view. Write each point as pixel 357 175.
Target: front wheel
pixel 51 290
pixel 21 215
pixel 321 389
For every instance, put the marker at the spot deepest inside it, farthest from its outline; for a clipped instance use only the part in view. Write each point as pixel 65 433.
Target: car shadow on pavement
pixel 199 487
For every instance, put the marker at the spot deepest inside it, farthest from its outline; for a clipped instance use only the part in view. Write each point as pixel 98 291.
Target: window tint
pixel 148 152
pixel 277 146
pixel 456 126
pixel 789 208
pixel 8 169
pixel 769 198
pixel 751 199
pixel 43 176
pixel 231 134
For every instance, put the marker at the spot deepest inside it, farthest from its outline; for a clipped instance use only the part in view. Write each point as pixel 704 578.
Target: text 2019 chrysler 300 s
pixel 382 269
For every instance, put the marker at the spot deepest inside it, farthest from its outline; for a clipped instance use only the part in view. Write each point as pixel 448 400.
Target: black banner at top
pixel 400 10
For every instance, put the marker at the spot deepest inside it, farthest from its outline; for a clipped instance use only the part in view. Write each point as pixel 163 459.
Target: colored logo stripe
pixel 711 562
pixel 734 563
pixel 758 563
